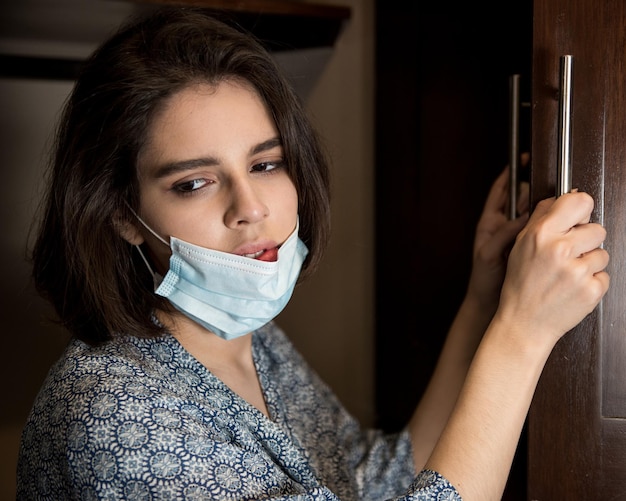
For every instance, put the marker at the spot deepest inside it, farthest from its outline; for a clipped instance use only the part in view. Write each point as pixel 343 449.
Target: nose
pixel 246 204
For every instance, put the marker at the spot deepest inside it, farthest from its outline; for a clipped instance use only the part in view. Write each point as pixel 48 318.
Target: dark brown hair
pixel 95 280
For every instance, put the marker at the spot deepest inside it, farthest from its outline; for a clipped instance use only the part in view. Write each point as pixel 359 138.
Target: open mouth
pixel 265 255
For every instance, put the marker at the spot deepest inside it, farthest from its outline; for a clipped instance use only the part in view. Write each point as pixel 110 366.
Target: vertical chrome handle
pixel 564 168
pixel 514 106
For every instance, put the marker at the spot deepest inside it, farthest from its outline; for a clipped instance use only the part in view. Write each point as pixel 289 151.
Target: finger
pixel 523 198
pixel 596 260
pixel 542 208
pixel 595 263
pixel 579 206
pixel 501 240
pixel 565 212
pixel 603 281
pixel 586 238
pixel 496 197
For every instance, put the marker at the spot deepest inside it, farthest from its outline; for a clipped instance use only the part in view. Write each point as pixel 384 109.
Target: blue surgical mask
pixel 228 294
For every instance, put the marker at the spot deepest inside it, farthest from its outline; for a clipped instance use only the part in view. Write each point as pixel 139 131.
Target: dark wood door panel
pixel 613 460
pixel 614 312
pixel 577 423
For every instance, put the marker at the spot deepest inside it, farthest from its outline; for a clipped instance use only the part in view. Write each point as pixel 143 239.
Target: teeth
pixel 255 255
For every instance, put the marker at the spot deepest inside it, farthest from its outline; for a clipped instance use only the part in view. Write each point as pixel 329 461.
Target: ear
pixel 128 231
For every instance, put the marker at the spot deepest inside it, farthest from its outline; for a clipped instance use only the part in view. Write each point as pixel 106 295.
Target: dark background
pixel 442 110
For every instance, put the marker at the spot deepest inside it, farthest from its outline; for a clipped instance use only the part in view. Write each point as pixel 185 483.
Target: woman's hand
pixel 556 276
pixel 495 235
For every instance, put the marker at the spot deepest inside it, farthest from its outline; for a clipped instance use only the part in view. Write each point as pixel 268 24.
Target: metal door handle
pixel 564 161
pixel 514 107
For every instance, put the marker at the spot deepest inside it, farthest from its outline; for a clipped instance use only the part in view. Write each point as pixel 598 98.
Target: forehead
pixel 208 118
pixel 222 100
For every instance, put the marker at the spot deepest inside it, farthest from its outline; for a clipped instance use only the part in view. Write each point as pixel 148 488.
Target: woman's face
pixel 212 173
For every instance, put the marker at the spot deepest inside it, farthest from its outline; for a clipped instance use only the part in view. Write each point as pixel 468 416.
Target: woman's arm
pixel 494 237
pixel 554 279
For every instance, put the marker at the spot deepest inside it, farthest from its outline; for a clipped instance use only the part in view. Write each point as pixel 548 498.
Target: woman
pixel 187 197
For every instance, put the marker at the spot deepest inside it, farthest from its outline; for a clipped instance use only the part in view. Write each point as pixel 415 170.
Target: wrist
pixel 478 308
pixel 518 342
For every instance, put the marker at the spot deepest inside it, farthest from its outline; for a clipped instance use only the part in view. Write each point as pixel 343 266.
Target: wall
pixel 330 317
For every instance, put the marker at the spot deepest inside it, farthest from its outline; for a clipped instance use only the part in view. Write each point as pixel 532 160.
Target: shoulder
pixel 84 374
pixel 104 411
pixel 106 384
pixel 82 369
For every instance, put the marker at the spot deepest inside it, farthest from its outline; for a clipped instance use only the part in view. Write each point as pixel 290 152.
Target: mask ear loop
pixel 146 226
pixel 156 277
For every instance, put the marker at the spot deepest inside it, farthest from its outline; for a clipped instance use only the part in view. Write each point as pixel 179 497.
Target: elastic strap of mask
pixel 146 226
pixel 156 278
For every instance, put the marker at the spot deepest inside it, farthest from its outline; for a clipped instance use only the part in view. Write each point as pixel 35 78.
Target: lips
pixel 266 250
pixel 268 255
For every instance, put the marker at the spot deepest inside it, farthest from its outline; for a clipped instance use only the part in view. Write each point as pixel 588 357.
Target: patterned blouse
pixel 142 419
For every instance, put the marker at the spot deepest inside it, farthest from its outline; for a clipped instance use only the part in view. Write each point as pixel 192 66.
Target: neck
pixel 231 361
pixel 211 350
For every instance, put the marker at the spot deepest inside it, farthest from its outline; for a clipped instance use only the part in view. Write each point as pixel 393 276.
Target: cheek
pixel 294 202
pixel 290 198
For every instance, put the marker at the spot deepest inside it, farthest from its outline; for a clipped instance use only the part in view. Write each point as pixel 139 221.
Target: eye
pixel 191 186
pixel 268 166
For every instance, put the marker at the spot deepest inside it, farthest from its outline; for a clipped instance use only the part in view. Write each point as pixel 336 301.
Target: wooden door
pixel 577 422
pixel 442 108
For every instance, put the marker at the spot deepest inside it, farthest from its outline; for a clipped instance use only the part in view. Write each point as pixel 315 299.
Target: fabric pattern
pixel 141 419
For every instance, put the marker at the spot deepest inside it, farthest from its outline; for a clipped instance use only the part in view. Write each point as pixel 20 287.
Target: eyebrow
pixel 266 145
pixel 173 167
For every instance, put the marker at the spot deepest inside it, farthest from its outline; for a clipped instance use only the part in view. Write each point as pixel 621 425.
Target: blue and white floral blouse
pixel 141 419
